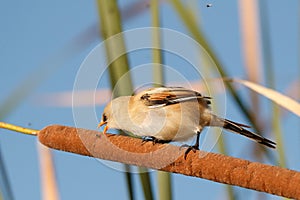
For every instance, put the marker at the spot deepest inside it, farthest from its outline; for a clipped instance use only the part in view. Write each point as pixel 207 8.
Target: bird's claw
pixel 154 140
pixel 149 139
pixel 189 148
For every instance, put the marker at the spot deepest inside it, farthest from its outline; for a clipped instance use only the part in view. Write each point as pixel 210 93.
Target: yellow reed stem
pixel 19 129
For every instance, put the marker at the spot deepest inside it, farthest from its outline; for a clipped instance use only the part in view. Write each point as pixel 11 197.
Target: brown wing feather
pixel 157 97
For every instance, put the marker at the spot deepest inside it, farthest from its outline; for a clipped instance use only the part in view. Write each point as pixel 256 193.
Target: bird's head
pixel 114 113
pixel 106 117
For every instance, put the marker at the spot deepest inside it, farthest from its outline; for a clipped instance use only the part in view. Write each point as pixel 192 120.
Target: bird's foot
pixel 189 148
pixel 154 140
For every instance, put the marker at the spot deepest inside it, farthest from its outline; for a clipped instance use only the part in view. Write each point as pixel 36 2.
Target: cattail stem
pixel 165 157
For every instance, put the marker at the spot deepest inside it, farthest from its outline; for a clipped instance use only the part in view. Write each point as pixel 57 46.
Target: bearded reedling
pixel 166 114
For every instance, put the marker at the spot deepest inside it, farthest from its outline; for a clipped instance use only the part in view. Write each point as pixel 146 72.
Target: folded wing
pixel 164 96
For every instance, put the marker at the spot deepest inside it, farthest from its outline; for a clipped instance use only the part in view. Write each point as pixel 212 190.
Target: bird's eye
pixel 104 118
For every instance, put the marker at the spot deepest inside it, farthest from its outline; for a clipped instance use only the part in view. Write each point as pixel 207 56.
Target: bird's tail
pixel 240 129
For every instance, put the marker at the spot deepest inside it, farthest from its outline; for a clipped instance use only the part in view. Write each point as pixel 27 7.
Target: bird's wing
pixel 163 96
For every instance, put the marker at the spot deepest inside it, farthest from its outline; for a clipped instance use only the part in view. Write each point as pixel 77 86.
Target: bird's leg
pixel 193 147
pixel 154 140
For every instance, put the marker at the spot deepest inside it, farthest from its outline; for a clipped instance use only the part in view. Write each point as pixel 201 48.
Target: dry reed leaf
pixel 102 96
pixel 47 172
pixel 282 100
pixel 75 98
pixel 249 25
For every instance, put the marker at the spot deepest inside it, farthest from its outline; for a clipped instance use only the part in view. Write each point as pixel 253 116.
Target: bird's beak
pixel 105 128
pixel 101 124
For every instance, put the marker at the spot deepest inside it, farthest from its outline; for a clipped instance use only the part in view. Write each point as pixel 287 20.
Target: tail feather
pixel 238 128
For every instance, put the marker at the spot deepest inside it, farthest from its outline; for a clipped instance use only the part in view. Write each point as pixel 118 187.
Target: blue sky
pixel 35 33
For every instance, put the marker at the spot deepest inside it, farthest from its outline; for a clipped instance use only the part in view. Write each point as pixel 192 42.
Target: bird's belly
pixel 175 131
pixel 173 122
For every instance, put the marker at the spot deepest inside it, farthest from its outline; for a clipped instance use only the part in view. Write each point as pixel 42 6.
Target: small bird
pixel 165 114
